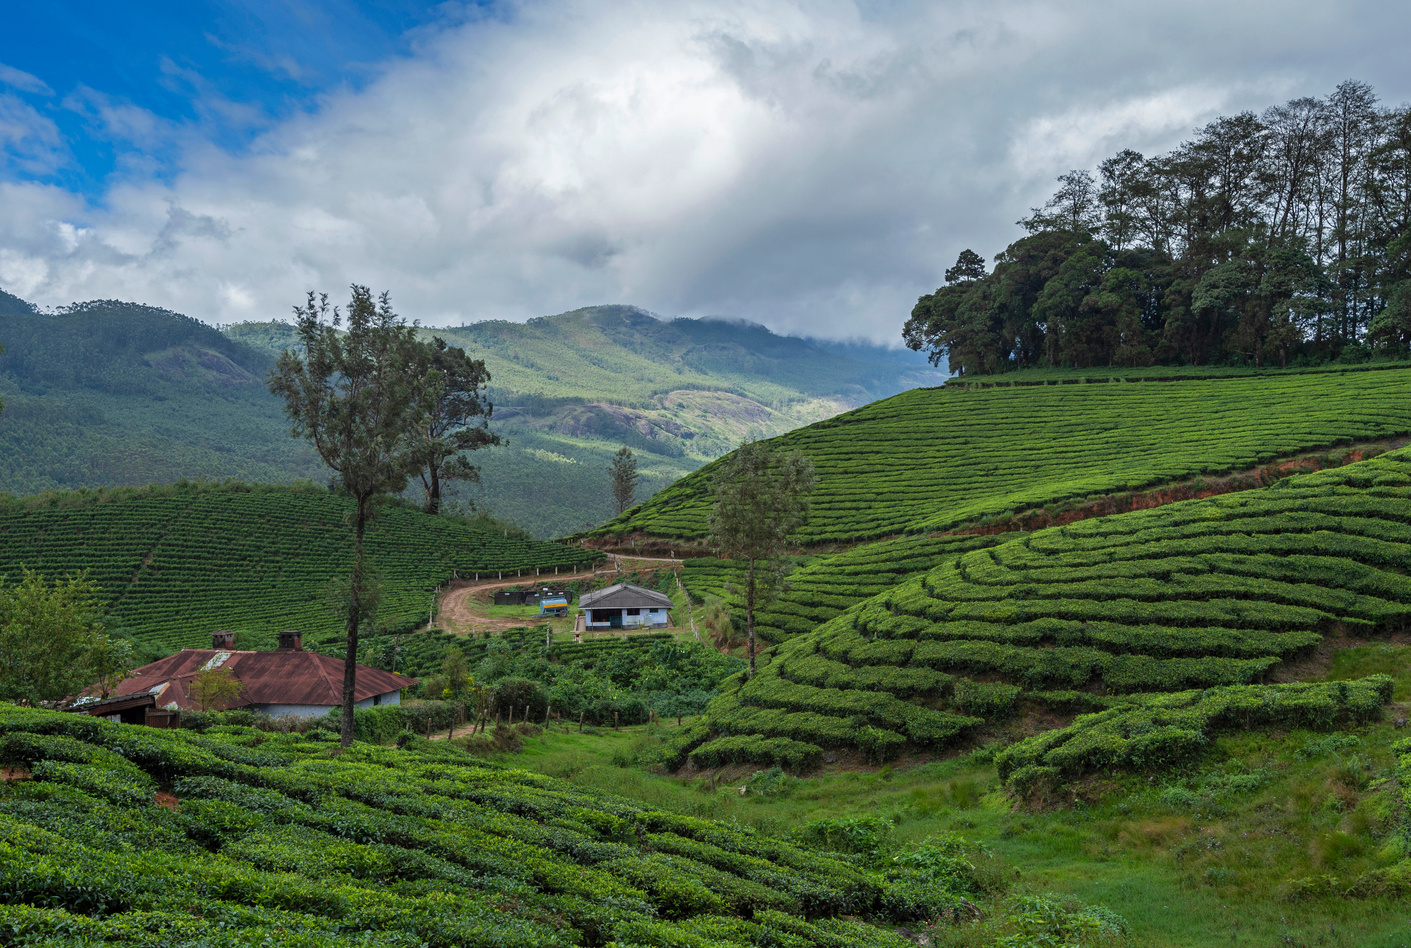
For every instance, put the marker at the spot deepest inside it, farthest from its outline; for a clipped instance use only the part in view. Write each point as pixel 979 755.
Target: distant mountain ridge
pixel 120 393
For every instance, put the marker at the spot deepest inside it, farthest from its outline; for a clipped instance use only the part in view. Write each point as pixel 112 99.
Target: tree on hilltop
pixel 457 422
pixel 761 498
pixel 624 478
pixel 360 396
pixel 1264 239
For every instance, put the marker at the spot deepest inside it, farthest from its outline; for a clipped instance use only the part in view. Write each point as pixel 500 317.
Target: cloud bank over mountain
pixel 810 166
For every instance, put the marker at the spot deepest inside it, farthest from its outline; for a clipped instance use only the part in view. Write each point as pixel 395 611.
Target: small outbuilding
pixel 289 681
pixel 624 606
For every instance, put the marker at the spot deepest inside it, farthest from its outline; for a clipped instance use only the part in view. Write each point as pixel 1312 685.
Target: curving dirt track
pixel 464 601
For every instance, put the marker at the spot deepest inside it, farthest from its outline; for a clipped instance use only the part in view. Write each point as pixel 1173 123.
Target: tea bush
pixel 1092 617
pixel 285 839
pixel 931 459
pixel 176 562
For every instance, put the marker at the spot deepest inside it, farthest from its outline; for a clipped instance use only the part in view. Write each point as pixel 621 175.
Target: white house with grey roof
pixel 624 606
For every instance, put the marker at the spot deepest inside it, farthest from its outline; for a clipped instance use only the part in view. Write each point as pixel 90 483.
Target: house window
pixel 634 612
pixel 376 699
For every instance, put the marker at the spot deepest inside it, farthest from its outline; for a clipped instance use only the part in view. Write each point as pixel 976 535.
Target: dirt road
pixel 465 603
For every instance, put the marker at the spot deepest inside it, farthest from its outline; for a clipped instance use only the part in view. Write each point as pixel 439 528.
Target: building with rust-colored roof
pixel 289 681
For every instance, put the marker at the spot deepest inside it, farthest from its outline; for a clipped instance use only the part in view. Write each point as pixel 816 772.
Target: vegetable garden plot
pixel 280 839
pixel 1203 594
pixel 175 563
pixel 931 459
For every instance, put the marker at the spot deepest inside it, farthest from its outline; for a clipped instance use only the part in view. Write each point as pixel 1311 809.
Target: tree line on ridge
pixel 1266 240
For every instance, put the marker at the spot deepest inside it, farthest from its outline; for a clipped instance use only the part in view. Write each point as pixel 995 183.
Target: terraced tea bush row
pixel 280 839
pixel 1162 730
pixel 932 459
pixel 757 749
pixel 823 586
pixel 175 563
pixel 1202 594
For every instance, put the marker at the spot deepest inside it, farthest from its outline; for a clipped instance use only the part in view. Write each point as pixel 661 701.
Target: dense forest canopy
pixel 1265 240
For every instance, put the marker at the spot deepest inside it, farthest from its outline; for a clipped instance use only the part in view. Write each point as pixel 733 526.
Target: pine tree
pixel 624 478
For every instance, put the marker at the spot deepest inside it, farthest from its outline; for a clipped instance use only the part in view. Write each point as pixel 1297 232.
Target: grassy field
pixel 1253 844
pixel 174 563
pixel 933 459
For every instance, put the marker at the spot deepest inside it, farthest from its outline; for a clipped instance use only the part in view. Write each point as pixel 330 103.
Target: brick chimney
pixel 223 639
pixel 291 640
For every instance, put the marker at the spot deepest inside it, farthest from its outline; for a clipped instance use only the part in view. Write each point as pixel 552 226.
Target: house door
pixel 615 620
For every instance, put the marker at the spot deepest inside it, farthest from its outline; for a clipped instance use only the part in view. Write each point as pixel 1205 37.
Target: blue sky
pixel 812 165
pixel 227 69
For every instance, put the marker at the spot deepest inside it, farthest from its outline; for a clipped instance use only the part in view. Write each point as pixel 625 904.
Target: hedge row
pixel 757 749
pixel 1208 593
pixel 1163 730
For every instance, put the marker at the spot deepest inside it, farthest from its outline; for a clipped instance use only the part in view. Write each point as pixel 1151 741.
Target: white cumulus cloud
pixel 813 166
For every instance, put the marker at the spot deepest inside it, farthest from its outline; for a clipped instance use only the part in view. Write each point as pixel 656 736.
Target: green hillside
pixel 1223 591
pixel 113 393
pixel 285 839
pixel 173 563
pixel 932 459
pixel 570 389
pixel 109 393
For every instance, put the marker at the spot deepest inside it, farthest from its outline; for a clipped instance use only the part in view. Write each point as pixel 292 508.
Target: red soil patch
pixel 167 800
pixel 12 774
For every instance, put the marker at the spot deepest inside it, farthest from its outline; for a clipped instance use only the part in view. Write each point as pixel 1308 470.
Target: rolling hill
pixel 175 562
pixel 1212 593
pixel 108 393
pixel 934 459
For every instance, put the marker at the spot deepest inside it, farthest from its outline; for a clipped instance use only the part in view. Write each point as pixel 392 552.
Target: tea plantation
pixel 113 834
pixel 822 587
pixel 1205 594
pixel 931 459
pixel 175 562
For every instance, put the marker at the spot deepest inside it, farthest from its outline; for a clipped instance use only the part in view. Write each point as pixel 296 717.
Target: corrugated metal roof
pixel 624 596
pixel 283 677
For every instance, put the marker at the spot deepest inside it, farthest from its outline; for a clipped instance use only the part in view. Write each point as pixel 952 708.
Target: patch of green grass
pixel 512 612
pixel 1214 855
pixel 1380 659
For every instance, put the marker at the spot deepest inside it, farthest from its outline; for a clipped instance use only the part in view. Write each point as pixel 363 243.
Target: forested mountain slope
pixel 116 393
pixel 1208 593
pixel 109 393
pixel 175 562
pixel 570 389
pixel 933 459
